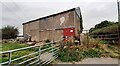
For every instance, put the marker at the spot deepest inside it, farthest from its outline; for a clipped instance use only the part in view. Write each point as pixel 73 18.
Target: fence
pixel 111 38
pixel 44 54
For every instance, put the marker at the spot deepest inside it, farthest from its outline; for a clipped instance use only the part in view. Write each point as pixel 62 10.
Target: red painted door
pixel 68 32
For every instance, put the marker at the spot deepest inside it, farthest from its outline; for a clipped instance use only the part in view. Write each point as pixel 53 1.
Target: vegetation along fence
pixel 111 38
pixel 40 55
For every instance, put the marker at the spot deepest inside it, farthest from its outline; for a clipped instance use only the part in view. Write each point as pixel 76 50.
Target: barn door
pixel 68 32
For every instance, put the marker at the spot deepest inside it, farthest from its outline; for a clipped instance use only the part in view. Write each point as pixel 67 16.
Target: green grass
pixel 17 54
pixel 11 46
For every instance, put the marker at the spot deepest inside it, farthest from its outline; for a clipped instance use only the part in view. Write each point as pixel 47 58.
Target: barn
pixel 62 26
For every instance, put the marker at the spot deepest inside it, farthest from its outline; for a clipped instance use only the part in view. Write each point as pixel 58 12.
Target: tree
pixel 103 24
pixel 91 29
pixel 9 32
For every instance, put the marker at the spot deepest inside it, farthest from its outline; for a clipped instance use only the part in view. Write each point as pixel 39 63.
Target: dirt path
pixel 94 61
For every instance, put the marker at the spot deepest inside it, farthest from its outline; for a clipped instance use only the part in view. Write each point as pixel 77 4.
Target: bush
pixel 67 55
pixel 77 54
pixel 92 53
pixel 108 29
pixel 91 49
pixel 106 25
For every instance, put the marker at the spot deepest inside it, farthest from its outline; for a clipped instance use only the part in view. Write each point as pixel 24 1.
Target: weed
pixel 103 42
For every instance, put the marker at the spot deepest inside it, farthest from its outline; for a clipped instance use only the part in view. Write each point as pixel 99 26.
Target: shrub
pixel 77 54
pixel 92 53
pixel 71 53
pixel 108 29
pixel 67 55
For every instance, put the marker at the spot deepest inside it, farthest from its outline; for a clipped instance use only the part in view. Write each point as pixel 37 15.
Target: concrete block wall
pixel 44 29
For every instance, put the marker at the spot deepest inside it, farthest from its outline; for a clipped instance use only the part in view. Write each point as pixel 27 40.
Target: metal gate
pixel 45 54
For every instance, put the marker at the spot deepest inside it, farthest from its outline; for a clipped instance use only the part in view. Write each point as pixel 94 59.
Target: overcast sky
pixel 16 12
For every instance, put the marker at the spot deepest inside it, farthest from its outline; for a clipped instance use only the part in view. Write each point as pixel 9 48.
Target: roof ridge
pixel 49 16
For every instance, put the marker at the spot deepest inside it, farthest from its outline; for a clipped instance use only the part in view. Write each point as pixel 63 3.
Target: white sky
pixel 16 12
